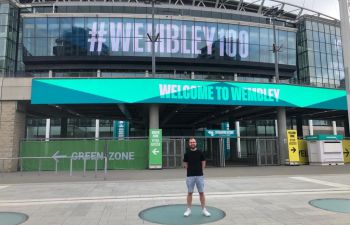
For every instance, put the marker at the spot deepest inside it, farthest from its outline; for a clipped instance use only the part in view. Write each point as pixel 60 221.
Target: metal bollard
pixel 84 173
pixel 56 166
pixel 71 167
pixel 96 167
pixel 39 166
pixel 21 165
pixel 105 172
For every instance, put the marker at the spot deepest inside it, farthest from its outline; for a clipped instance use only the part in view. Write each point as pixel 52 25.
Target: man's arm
pixel 203 164
pixel 185 165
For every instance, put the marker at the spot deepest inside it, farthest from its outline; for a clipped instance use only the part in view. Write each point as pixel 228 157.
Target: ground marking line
pixel 164 197
pixel 332 184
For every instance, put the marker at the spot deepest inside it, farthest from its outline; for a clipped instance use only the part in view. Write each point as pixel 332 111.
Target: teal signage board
pixel 220 133
pixel 155 149
pixel 324 137
pixel 148 90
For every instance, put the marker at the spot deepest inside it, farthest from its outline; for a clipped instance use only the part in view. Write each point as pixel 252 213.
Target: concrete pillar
pixel 235 77
pixel 64 127
pixel 47 129
pixel 192 76
pixel 154 116
pixel 12 130
pixel 334 123
pixel 311 128
pixel 282 133
pixel 300 127
pixel 97 129
pixel 346 127
pixel 239 150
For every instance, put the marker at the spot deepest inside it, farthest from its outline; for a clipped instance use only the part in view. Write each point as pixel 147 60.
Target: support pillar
pixel 300 130
pixel 311 128
pixel 282 133
pixel 334 123
pixel 97 129
pixel 154 116
pixel 12 130
pixel 239 150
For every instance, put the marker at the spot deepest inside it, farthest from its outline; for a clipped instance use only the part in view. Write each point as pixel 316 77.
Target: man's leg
pixel 189 200
pixel 202 199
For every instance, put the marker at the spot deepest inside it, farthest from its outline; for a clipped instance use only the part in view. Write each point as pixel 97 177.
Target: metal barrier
pixel 71 159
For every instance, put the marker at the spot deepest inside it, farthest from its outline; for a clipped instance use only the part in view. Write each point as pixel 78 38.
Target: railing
pixel 71 159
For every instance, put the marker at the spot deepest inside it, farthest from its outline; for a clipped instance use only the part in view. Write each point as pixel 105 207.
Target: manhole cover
pixel 12 218
pixel 332 204
pixel 174 215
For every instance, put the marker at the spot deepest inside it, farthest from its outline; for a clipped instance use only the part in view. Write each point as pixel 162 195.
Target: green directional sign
pixel 163 91
pixel 155 149
pixel 323 137
pixel 220 133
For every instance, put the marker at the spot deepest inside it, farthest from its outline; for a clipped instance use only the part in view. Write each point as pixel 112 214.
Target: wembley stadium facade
pixel 83 70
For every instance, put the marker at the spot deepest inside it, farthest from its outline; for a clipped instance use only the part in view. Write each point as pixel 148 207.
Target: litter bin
pixel 325 149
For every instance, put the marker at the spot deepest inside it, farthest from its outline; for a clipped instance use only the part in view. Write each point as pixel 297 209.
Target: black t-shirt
pixel 194 163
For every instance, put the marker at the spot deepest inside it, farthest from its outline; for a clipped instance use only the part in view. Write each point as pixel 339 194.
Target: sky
pixel 328 7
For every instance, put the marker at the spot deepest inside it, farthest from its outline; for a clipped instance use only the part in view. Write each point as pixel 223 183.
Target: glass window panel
pixel 264 54
pixel 318 72
pixel 312 72
pixel 314 26
pixel 79 27
pixel 311 58
pixel 324 60
pixel 53 27
pixel 291 40
pixel 254 35
pixel 292 57
pixel 317 46
pixel 337 31
pixel 322 37
pixel 264 36
pixel 322 47
pixel 320 27
pixel 317 59
pixel 40 27
pixel 28 46
pixel 28 27
pixel 254 53
pixel 326 28
pixel 40 46
pixel 3 19
pixel 65 27
pixel 315 36
pixel 283 39
pixel 328 38
pixel 308 25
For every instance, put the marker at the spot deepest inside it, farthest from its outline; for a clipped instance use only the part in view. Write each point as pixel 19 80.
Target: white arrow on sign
pixel 57 157
pixel 155 151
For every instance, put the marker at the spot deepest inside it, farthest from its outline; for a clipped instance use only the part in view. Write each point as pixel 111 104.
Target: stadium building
pixel 82 71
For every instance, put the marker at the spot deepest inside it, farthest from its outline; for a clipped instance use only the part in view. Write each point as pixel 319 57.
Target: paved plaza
pixel 248 195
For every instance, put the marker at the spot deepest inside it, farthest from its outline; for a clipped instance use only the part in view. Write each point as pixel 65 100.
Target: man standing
pixel 194 162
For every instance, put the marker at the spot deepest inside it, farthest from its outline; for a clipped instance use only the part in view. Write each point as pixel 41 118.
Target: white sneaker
pixel 188 212
pixel 205 212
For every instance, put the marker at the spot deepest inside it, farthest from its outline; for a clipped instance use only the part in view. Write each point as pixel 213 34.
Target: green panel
pixel 127 154
pixel 324 137
pixel 220 133
pixel 100 91
pixel 155 148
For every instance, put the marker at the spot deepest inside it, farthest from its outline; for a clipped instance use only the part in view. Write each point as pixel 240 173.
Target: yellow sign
pixel 346 151
pixel 303 153
pixel 293 148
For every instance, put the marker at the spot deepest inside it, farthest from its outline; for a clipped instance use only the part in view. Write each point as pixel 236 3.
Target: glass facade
pixel 320 54
pixel 8 38
pixel 92 36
